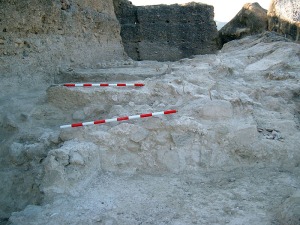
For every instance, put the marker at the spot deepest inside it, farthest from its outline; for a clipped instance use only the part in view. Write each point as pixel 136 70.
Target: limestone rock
pixel 138 134
pixel 76 159
pixel 284 18
pixel 17 153
pixel 65 166
pixel 217 109
pixel 252 19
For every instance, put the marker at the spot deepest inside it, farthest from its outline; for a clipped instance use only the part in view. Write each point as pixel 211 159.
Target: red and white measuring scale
pixel 104 85
pixel 119 119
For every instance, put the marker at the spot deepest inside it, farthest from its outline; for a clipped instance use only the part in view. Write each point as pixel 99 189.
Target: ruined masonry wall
pixel 166 33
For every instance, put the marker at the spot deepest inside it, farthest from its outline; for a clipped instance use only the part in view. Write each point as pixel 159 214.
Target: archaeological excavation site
pixel 116 114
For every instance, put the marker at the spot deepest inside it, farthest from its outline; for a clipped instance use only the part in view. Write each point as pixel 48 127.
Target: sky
pixel 224 10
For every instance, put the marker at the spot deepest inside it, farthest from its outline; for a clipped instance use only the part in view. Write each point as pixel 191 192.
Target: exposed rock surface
pixel 229 156
pixel 38 37
pixel 166 32
pixel 284 18
pixel 251 19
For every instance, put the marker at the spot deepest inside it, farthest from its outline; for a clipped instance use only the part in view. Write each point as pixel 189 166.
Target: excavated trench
pixel 228 156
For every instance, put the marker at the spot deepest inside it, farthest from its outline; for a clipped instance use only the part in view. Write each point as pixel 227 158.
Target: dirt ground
pixel 238 196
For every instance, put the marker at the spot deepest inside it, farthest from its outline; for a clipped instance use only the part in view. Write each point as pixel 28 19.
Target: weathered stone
pixel 9 122
pixel 251 19
pixel 217 109
pixel 76 159
pixel 65 4
pixel 17 154
pixel 166 33
pixel 169 159
pixel 19 41
pixel 49 35
pixel 66 165
pixel 244 136
pixel 284 18
pixel 137 134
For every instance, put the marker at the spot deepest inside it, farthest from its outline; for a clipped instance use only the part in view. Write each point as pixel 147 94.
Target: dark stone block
pixel 166 33
pixel 251 19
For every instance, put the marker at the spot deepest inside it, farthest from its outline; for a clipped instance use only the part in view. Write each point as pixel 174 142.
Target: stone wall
pixel 39 36
pixel 284 18
pixel 166 33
